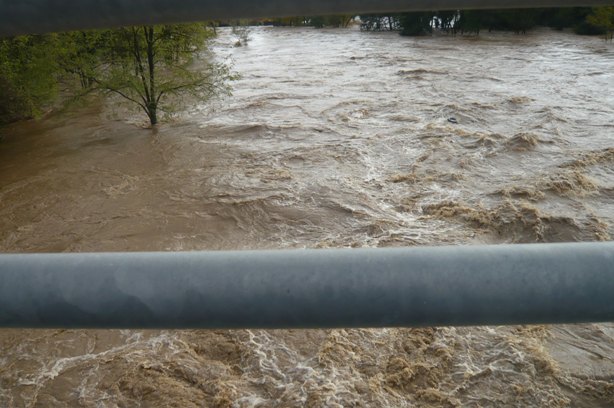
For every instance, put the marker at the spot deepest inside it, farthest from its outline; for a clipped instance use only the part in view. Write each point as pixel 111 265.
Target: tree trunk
pixel 152 107
pixel 152 113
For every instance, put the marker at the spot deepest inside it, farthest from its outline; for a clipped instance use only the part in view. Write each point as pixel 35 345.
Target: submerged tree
pixel 152 66
pixel 241 30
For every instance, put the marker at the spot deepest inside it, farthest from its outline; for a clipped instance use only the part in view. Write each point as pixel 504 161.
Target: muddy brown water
pixel 333 138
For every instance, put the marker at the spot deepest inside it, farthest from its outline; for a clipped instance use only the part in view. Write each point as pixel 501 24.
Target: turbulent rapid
pixel 332 138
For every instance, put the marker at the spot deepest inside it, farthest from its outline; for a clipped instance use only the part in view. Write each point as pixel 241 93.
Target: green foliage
pixel 28 76
pixel 80 54
pixel 603 18
pixel 150 66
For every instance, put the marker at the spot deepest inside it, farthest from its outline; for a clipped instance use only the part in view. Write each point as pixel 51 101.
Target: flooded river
pixel 332 138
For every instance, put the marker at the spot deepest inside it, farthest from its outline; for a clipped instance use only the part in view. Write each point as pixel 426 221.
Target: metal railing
pixel 42 16
pixel 483 285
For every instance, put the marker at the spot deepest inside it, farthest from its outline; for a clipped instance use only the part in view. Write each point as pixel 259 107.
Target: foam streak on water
pixel 333 138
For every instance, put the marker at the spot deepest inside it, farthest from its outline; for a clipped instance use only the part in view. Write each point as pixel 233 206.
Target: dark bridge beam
pixel 42 16
pixel 484 285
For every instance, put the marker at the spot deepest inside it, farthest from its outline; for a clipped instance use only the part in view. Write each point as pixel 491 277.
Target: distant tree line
pixel 148 66
pixel 582 20
pixel 334 21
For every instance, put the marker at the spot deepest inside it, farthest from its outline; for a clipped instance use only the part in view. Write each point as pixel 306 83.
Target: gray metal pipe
pixel 42 16
pixel 483 285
